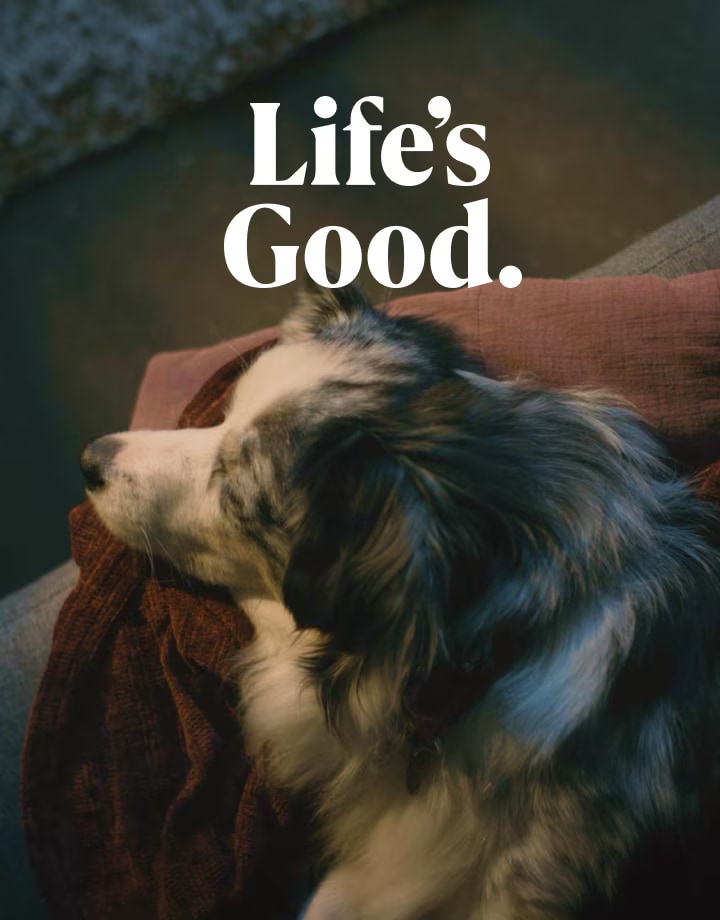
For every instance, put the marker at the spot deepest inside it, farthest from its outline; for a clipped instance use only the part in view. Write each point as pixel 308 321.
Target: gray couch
pixel 689 244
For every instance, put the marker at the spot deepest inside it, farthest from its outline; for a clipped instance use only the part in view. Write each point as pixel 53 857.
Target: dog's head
pixel 313 488
pixel 394 498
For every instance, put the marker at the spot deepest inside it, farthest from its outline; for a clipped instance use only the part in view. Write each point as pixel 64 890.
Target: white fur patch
pixel 283 372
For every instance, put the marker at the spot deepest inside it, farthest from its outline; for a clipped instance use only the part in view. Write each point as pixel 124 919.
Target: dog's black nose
pixel 95 460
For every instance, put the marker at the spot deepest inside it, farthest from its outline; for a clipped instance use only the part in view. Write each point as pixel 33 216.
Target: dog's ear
pixel 317 307
pixel 367 566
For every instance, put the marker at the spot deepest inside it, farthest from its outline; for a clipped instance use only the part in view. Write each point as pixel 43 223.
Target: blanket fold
pixel 138 800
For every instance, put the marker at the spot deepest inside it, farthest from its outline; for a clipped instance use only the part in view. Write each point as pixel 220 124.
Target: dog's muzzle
pixel 96 460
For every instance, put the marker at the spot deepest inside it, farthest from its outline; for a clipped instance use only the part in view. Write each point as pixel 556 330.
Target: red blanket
pixel 138 799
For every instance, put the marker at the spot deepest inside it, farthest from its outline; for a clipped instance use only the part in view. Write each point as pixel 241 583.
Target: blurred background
pixel 126 148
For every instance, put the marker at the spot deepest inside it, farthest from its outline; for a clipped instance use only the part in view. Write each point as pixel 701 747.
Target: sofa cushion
pixel 654 341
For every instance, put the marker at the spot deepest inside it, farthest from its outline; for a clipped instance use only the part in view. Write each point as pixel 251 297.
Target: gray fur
pixel 396 513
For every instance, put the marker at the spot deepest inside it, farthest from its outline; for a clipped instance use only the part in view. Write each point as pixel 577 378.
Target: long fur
pixel 397 514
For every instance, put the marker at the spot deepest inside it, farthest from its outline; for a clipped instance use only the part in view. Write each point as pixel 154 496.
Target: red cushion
pixel 654 341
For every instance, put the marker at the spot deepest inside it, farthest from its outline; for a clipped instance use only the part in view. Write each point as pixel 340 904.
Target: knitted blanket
pixel 138 800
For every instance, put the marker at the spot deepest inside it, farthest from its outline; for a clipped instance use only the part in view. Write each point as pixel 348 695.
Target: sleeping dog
pixel 486 614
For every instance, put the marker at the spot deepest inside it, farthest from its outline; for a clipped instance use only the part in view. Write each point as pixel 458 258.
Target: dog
pixel 486 613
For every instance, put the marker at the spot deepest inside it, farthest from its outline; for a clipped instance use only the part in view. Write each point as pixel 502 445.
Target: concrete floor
pixel 602 123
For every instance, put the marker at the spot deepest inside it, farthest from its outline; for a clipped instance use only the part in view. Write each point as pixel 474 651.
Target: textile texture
pixel 689 244
pixel 138 800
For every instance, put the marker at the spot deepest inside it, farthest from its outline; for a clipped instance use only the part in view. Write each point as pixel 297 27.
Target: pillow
pixel 654 341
